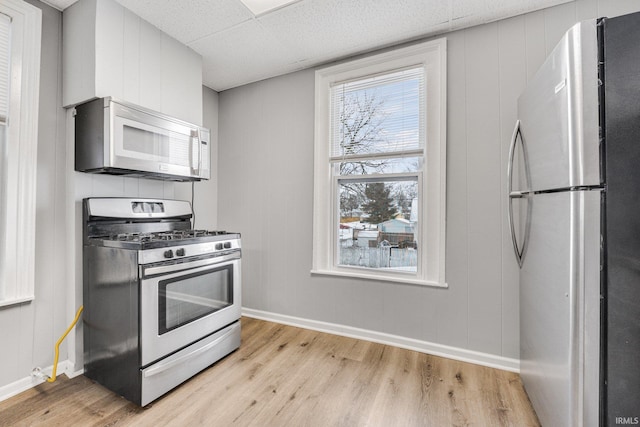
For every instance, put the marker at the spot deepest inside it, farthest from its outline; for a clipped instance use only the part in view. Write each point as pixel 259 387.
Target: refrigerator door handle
pixel 512 152
pixel 519 251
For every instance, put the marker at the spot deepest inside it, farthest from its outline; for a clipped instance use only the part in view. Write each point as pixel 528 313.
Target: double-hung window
pixel 379 189
pixel 20 34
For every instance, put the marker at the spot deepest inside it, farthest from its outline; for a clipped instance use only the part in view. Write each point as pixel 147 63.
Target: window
pixel 379 189
pixel 20 30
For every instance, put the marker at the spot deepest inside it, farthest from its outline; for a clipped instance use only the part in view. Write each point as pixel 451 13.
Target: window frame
pixel 431 179
pixel 18 221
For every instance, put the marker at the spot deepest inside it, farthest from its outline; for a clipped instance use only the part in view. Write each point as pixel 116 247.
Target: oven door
pixel 181 303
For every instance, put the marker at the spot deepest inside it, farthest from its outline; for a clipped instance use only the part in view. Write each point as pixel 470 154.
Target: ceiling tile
pixel 472 12
pixel 262 6
pixel 59 4
pixel 242 54
pixel 333 28
pixel 239 48
pixel 189 20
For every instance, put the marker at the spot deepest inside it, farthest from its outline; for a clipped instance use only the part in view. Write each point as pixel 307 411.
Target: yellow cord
pixel 55 359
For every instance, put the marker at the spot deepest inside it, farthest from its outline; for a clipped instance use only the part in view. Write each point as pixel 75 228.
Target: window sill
pixel 378 277
pixel 15 301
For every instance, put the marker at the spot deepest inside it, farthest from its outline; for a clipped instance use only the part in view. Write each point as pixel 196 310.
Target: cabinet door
pixel 78 53
pixel 131 58
pixel 110 51
pixel 150 63
pixel 109 54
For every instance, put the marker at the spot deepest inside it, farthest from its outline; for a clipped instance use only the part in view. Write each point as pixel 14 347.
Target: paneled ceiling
pixel 239 47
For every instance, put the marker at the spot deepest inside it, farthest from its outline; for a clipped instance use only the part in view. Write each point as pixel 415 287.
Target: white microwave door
pixel 143 146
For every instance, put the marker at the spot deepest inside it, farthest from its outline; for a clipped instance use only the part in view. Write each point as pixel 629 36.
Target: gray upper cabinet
pixel 110 51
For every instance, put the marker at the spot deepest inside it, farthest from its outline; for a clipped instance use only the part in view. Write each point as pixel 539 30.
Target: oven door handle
pixel 182 359
pixel 163 269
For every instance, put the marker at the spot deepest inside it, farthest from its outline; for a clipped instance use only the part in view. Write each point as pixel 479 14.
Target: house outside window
pixel 20 34
pixel 379 189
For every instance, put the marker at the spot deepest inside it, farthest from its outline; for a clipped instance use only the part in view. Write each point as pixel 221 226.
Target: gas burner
pixel 132 237
pixel 188 234
pixel 165 235
pixel 168 235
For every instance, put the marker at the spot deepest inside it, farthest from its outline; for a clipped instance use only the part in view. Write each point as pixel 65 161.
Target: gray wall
pixel 205 199
pixel 29 331
pixel 266 192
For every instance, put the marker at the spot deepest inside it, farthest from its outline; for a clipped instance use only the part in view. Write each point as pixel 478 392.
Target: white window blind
pixel 20 36
pixel 380 115
pixel 5 56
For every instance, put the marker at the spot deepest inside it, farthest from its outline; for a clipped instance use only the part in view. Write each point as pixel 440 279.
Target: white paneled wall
pixel 28 332
pixel 512 80
pixel 266 185
pixel 483 166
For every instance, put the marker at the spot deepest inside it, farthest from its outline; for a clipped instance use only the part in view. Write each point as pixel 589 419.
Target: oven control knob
pixel 180 252
pixel 168 254
pixel 218 246
pixel 227 245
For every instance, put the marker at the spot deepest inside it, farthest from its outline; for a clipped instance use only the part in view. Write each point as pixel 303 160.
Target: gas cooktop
pixel 164 235
pixel 142 224
pixel 161 239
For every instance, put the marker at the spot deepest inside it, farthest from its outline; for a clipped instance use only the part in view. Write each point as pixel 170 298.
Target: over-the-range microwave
pixel 120 138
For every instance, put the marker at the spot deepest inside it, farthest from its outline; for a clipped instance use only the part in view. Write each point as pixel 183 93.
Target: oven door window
pixel 186 298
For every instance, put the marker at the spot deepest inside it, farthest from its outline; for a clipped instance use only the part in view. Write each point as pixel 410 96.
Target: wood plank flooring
pixel 286 376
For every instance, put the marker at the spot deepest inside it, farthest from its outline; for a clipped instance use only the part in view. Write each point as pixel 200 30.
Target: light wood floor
pixel 286 376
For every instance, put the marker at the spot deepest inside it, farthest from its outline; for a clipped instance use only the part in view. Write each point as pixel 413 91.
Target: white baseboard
pixel 455 353
pixel 26 383
pixel 71 373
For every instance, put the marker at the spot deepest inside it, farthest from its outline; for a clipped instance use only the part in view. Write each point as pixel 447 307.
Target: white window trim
pixel 17 269
pixel 432 55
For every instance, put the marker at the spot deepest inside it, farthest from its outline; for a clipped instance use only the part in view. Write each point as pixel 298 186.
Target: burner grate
pixel 164 235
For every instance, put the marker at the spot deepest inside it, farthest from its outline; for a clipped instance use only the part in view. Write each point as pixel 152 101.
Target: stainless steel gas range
pixel 161 301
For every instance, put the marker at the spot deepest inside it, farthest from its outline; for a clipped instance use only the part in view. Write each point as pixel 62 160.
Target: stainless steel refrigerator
pixel 574 211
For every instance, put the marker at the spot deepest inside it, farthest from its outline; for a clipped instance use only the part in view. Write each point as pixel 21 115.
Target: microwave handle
pixel 195 151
